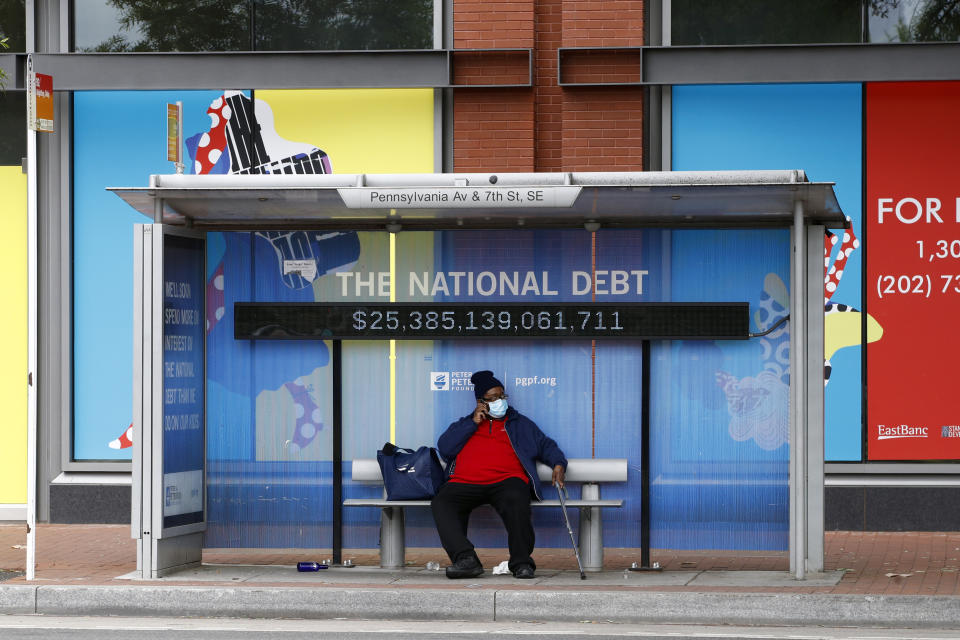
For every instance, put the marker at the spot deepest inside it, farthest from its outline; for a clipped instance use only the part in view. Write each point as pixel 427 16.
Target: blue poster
pixel 116 142
pixel 183 381
pixel 816 128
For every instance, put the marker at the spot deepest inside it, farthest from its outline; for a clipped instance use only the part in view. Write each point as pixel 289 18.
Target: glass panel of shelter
pixel 714 422
pixel 720 453
pixel 270 403
pixel 720 409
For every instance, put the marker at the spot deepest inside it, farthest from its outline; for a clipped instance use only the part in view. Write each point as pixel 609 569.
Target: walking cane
pixel 562 492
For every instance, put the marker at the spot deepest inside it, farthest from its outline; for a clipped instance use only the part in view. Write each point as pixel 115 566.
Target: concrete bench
pixel 590 472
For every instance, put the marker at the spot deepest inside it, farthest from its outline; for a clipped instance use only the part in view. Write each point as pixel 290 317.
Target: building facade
pixel 867 102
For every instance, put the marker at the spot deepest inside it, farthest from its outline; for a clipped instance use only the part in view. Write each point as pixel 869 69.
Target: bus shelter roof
pixel 716 199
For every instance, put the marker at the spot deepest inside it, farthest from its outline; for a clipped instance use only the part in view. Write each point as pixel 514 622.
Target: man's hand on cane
pixel 558 476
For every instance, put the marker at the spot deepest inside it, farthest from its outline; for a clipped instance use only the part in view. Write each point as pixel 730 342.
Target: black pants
pixel 511 500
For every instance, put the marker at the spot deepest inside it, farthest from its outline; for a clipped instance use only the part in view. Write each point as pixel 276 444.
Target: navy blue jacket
pixel 529 443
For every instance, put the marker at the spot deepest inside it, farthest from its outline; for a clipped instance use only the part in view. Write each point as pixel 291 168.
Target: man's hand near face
pixel 480 413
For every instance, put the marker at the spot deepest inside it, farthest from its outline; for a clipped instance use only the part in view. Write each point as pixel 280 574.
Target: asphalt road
pixel 115 628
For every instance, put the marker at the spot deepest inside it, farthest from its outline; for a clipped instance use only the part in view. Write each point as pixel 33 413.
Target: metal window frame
pixel 665 65
pixel 661 65
pixel 566 54
pixel 397 69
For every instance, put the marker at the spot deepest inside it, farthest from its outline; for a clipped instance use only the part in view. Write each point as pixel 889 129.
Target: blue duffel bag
pixel 409 474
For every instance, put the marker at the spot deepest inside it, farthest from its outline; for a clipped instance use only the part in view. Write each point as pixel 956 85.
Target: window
pixel 281 25
pixel 252 25
pixel 13 25
pixel 180 25
pixel 13 127
pixel 703 22
pixel 913 21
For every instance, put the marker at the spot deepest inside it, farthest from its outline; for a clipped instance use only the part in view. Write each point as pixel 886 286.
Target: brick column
pixel 602 125
pixel 549 96
pixel 548 127
pixel 493 128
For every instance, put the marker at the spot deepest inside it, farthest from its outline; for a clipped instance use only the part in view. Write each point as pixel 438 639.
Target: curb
pixel 18 600
pixel 484 605
pixel 275 602
pixel 731 608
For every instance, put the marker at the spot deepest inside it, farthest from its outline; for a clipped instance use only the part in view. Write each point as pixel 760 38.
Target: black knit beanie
pixel 483 381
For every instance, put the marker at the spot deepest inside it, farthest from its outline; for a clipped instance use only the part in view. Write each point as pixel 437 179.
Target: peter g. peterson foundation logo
pixel 439 380
pixel 450 380
pixel 900 431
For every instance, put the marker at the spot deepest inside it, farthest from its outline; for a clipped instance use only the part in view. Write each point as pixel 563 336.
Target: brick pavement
pixel 902 563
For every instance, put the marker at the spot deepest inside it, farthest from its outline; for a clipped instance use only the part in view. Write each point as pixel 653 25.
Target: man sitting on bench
pixel 492 457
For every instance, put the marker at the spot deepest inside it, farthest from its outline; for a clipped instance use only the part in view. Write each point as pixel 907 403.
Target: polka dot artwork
pixel 213 142
pixel 834 273
pixel 307 412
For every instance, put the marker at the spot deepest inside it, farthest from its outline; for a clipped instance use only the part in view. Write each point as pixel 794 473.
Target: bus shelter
pixel 169 504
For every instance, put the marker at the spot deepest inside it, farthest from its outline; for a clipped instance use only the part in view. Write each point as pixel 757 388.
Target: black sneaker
pixel 465 567
pixel 524 572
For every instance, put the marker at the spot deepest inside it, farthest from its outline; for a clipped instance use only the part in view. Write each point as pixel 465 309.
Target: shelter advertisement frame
pixel 167 525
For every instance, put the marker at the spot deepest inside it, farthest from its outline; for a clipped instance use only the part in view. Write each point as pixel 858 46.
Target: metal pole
pixel 157 201
pixel 179 164
pixel 815 397
pixel 798 381
pixel 645 456
pixel 337 453
pixel 31 344
pixel 644 463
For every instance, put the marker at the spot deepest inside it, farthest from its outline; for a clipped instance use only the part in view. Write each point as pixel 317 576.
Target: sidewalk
pixel 906 579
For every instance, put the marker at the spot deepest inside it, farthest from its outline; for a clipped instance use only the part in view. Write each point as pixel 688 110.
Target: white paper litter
pixel 501 569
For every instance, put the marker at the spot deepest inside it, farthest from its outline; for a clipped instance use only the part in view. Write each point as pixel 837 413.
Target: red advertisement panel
pixel 913 270
pixel 44 93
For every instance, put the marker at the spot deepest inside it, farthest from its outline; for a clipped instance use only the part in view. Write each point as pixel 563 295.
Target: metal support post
pixel 798 399
pixel 645 457
pixel 645 463
pixel 337 452
pixel 815 392
pixel 32 327
pixel 392 545
pixel 143 394
pixel 591 530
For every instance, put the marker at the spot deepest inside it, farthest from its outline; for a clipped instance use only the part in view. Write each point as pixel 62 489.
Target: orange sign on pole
pixel 175 134
pixel 40 102
pixel 173 129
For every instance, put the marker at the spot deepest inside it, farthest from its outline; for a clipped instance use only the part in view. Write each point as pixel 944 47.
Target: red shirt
pixel 488 457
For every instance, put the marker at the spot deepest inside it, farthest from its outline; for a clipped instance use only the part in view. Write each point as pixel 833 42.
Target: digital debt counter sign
pixel 439 321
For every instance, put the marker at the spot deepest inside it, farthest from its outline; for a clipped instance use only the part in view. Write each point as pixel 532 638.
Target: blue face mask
pixel 498 408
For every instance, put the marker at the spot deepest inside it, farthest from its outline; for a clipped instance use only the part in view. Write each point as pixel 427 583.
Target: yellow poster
pixel 361 130
pixel 13 336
